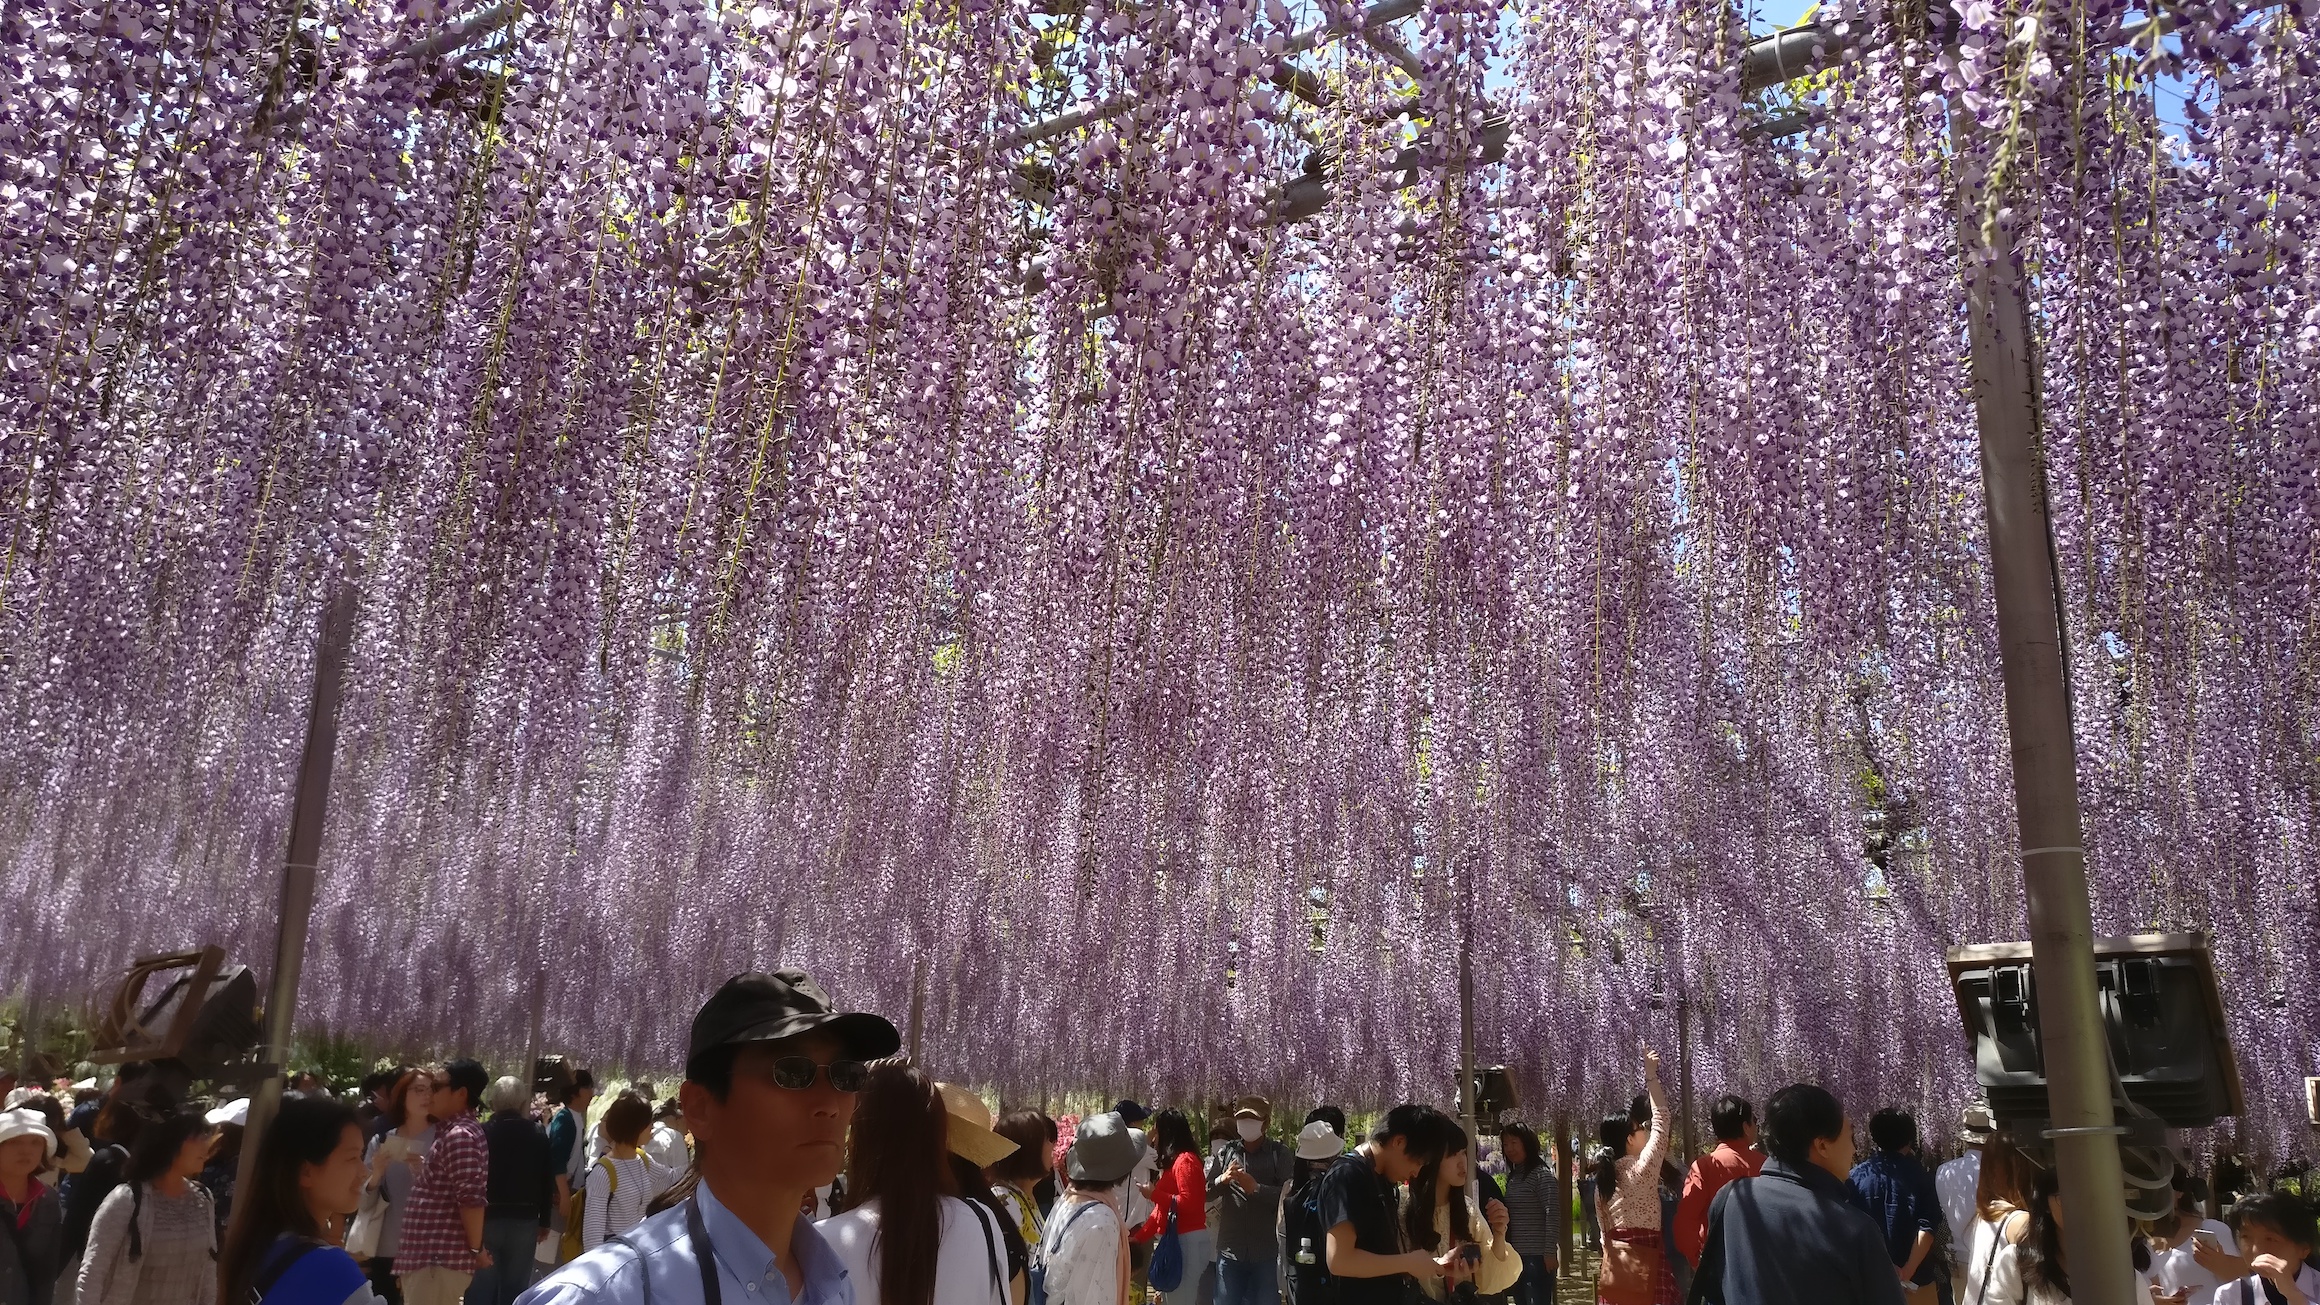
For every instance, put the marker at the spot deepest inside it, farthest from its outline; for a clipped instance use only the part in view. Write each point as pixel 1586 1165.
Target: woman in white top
pixel 910 1240
pixel 624 1180
pixel 1448 1219
pixel 1627 1191
pixel 2001 1213
pixel 2177 1275
pixel 2031 1271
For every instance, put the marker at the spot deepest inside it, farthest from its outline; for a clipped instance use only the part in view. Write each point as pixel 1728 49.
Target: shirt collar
pixel 751 1260
pixel 1807 1174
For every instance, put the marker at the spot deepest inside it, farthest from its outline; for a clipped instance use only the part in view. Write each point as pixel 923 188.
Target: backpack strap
pixel 990 1247
pixel 279 1262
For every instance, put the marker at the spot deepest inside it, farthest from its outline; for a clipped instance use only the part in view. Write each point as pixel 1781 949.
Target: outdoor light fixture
pixel 204 1021
pixel 2169 1050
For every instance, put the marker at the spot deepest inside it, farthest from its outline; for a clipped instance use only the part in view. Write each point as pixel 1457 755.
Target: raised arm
pixel 1654 1145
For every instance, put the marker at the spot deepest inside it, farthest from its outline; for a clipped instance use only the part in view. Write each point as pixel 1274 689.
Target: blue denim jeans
pixel 1248 1282
pixel 1536 1286
pixel 511 1242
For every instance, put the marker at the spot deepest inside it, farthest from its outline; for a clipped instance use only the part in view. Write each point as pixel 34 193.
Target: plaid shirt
pixel 451 1179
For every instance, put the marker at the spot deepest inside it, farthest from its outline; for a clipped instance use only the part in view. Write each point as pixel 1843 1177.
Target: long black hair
pixel 2042 1245
pixel 1524 1134
pixel 1613 1135
pixel 304 1132
pixel 1418 1219
pixel 899 1156
pixel 1172 1136
pixel 159 1142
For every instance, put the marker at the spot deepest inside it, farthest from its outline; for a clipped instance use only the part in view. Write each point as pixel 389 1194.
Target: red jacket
pixel 1183 1187
pixel 1709 1174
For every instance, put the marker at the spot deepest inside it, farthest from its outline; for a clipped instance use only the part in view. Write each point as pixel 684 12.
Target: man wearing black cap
pixel 771 1073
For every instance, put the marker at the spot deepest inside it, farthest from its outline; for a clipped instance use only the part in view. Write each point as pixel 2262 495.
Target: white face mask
pixel 1251 1129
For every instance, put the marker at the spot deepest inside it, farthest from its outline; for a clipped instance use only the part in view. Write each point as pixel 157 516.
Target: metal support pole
pixel 2038 726
pixel 309 812
pixel 1565 1182
pixel 1468 1108
pixel 1684 1075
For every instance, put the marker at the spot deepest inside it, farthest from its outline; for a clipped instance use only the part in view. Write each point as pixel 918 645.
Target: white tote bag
pixel 362 1236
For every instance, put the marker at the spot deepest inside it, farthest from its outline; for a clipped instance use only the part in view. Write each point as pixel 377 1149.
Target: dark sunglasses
pixel 796 1073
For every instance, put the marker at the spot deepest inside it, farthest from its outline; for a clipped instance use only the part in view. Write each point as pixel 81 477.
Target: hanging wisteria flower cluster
pixel 1132 534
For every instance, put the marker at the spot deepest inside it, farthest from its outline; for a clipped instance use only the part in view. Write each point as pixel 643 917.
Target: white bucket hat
pixel 1318 1141
pixel 27 1123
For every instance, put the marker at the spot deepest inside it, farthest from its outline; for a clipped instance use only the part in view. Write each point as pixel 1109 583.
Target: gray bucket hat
pixel 1105 1150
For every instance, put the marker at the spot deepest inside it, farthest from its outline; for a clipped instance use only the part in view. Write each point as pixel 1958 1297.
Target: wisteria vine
pixel 800 509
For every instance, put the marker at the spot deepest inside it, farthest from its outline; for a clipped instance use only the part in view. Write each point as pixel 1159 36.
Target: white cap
pixel 236 1111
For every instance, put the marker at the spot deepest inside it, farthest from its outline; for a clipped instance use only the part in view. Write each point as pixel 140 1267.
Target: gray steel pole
pixel 2045 758
pixel 309 812
pixel 1468 1106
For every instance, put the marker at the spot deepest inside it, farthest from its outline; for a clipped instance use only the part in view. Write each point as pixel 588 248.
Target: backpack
pixel 1310 1284
pixel 568 1246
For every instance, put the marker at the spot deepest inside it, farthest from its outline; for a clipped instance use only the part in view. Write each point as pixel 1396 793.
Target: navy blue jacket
pixel 1899 1195
pixel 1792 1236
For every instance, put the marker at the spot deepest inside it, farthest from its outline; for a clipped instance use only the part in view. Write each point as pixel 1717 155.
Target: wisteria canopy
pixel 800 508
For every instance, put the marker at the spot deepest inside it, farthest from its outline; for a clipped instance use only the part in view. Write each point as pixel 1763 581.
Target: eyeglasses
pixel 796 1073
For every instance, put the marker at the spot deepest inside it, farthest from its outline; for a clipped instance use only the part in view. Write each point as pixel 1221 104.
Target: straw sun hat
pixel 970 1128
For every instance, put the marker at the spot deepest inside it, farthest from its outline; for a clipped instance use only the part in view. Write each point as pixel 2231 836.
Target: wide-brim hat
pixel 784 1004
pixel 1318 1141
pixel 28 1123
pixel 969 1129
pixel 1106 1150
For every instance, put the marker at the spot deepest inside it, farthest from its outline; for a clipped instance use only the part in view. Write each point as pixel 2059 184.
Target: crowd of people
pixel 803 1160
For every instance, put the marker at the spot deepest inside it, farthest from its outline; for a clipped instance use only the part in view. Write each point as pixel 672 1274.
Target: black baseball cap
pixel 784 1004
pixel 1131 1111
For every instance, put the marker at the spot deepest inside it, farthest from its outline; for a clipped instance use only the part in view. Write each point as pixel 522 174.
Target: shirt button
pixel 750 1286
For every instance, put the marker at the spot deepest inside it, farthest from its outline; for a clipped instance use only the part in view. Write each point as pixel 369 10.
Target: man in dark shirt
pixel 518 1191
pixel 1369 1260
pixel 1793 1233
pixel 1898 1193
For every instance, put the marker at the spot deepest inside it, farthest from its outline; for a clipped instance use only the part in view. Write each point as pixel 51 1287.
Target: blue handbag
pixel 1166 1272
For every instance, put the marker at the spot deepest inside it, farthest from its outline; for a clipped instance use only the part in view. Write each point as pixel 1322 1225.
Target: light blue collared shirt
pixel 664 1266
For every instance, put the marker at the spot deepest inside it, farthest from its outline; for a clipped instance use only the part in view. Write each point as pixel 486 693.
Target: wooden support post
pixel 2038 726
pixel 309 813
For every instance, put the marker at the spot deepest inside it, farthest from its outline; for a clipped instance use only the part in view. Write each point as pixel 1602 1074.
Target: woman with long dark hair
pixel 910 1239
pixel 1182 1191
pixel 1530 1213
pixel 1438 1214
pixel 307 1181
pixel 2031 1271
pixel 1635 1270
pixel 154 1240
